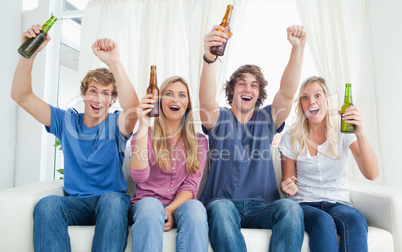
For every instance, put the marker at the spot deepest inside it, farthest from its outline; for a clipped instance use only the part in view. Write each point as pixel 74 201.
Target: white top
pixel 323 177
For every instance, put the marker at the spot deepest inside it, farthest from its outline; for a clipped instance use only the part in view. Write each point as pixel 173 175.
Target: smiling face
pixel 314 103
pixel 174 102
pixel 245 93
pixel 98 99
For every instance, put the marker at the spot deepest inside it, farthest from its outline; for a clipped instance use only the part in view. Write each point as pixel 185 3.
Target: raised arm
pixel 21 90
pixel 209 111
pixel 108 52
pixel 361 149
pixel 283 100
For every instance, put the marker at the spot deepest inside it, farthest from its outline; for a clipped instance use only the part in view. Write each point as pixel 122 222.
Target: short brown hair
pixel 100 75
pixel 254 70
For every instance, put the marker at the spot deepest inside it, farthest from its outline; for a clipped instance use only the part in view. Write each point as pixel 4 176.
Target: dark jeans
pixel 323 220
pixel 284 217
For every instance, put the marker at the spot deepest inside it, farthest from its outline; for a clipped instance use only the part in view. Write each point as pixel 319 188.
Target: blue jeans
pixel 109 214
pixel 149 220
pixel 323 220
pixel 226 217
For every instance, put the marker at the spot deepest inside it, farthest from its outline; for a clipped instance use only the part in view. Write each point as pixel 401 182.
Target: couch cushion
pixel 256 239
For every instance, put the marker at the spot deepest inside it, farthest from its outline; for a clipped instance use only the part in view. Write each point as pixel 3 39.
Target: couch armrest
pixel 382 207
pixel 16 208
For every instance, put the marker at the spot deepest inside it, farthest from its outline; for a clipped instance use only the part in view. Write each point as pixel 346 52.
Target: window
pixel 69 89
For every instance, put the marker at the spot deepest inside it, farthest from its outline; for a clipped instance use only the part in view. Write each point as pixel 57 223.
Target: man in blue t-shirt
pixel 241 189
pixel 93 145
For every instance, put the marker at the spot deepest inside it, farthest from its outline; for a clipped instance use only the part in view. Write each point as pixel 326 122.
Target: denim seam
pixel 179 215
pixel 66 233
pixel 273 226
pixel 345 231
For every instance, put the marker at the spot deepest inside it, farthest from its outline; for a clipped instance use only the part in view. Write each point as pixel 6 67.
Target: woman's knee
pixel 148 208
pixel 352 219
pixel 320 222
pixel 192 210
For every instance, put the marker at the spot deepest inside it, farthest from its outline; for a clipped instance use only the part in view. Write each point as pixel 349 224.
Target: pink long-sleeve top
pixel 165 185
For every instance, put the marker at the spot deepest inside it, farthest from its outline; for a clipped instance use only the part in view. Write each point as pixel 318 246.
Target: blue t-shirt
pixel 93 157
pixel 240 158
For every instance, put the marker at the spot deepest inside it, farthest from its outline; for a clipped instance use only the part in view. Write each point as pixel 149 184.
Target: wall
pixel 26 151
pixel 387 40
pixel 10 13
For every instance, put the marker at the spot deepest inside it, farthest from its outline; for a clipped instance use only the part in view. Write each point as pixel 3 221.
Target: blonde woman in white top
pixel 314 169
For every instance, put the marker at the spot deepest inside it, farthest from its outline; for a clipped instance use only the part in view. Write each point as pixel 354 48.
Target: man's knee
pixel 49 206
pixel 114 202
pixel 291 207
pixel 223 214
pixel 220 207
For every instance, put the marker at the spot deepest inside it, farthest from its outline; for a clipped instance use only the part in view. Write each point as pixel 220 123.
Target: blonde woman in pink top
pixel 167 164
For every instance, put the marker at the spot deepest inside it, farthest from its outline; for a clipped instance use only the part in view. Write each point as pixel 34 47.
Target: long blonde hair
pixel 161 143
pixel 300 128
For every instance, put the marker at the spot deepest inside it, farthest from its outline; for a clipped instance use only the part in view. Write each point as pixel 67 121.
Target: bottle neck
pixel 348 94
pixel 225 22
pixel 152 80
pixel 152 77
pixel 46 27
pixel 226 18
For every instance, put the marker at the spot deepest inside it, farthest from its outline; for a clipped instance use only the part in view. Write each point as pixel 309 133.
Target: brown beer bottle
pixel 30 45
pixel 154 90
pixel 220 50
pixel 347 127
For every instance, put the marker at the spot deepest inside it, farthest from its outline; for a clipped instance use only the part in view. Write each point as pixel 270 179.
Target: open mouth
pixel 314 111
pixel 246 98
pixel 174 108
pixel 96 108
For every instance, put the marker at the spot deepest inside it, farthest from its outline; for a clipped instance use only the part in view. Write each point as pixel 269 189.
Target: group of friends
pixel 168 159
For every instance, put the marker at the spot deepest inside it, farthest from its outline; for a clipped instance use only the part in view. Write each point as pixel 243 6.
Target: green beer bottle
pixel 30 45
pixel 347 127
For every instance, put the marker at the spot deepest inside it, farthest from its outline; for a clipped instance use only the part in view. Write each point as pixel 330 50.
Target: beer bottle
pixel 220 50
pixel 154 90
pixel 347 127
pixel 30 45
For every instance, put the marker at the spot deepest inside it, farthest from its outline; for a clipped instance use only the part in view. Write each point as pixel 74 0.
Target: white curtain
pixel 340 41
pixel 165 33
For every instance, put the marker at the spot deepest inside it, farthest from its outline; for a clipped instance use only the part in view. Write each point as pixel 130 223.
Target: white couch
pixel 382 207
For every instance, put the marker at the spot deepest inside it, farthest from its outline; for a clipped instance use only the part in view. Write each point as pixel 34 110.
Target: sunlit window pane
pixel 29 4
